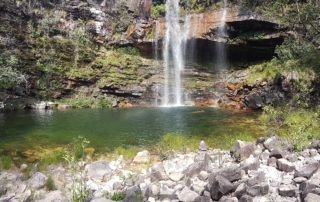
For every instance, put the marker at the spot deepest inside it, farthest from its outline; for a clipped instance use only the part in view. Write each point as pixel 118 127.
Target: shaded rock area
pixel 195 176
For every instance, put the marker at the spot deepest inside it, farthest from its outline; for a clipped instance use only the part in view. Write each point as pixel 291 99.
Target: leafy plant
pixel 79 189
pixel 158 10
pixel 5 162
pixel 117 196
pixel 50 185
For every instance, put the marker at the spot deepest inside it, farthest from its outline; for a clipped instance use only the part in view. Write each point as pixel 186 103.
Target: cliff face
pixel 249 37
pixel 66 49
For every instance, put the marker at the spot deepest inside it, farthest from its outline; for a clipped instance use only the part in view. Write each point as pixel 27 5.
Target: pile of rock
pixel 249 172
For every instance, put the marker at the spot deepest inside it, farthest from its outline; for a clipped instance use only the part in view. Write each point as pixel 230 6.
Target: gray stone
pixel 307 170
pixel 259 189
pixel 306 187
pixel 264 156
pixel 242 150
pixel 292 157
pixel 315 145
pixel 203 146
pixel 142 157
pixel 186 195
pixel 195 168
pixel 218 186
pixel 312 198
pixel 38 180
pixel 176 176
pixel 203 175
pixel 133 194
pixel 277 153
pixel 246 198
pixel 299 180
pixel 98 170
pixel 250 163
pixel 228 199
pixel 285 165
pixel 287 190
pixel 257 178
pixel 158 173
pixel 240 190
pixel 272 162
pixel 101 199
pixel 260 140
pixel 272 143
pixel 56 196
pixel 232 173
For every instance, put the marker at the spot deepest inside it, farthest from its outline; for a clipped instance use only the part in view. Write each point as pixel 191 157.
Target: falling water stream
pixel 221 33
pixel 174 45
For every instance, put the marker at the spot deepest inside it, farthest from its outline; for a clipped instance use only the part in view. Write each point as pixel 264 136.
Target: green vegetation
pixel 50 185
pixel 5 162
pixel 118 196
pixel 158 10
pixel 299 126
pixel 76 152
pixel 126 152
pixel 54 157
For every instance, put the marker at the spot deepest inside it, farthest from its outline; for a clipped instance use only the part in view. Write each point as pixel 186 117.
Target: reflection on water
pixel 109 128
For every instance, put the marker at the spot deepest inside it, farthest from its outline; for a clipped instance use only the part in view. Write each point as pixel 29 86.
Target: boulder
pixel 142 157
pixel 288 190
pixel 246 198
pixel 232 173
pixel 242 150
pixel 285 165
pixel 203 146
pixel 240 190
pixel 186 195
pixel 256 178
pixel 272 162
pixel 98 170
pixel 56 196
pixel 37 180
pixel 133 194
pixel 259 189
pixel 158 173
pixel 228 199
pixel 277 153
pixel 272 143
pixel 307 170
pixel 219 186
pixel 312 198
pixel 306 187
pixel 250 163
pixel 176 176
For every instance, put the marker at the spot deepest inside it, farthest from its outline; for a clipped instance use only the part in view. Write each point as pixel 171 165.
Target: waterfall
pixel 156 40
pixel 221 33
pixel 173 53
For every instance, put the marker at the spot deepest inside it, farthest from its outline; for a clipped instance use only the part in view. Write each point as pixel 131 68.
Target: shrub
pixel 5 163
pixel 117 196
pixel 128 153
pixel 158 10
pixel 50 185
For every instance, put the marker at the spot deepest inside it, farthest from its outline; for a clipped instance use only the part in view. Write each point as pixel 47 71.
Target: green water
pixel 109 128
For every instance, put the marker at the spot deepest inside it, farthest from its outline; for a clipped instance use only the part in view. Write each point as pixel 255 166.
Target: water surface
pixel 110 128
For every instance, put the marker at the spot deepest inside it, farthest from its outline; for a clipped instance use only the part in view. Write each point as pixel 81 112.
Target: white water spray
pixel 221 33
pixel 174 45
pixel 156 40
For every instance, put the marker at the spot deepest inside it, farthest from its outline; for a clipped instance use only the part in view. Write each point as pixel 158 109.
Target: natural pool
pixel 110 128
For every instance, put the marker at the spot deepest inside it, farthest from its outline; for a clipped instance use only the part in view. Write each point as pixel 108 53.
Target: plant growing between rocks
pixel 79 189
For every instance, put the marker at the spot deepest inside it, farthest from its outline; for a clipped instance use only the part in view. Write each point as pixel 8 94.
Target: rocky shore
pixel 261 171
